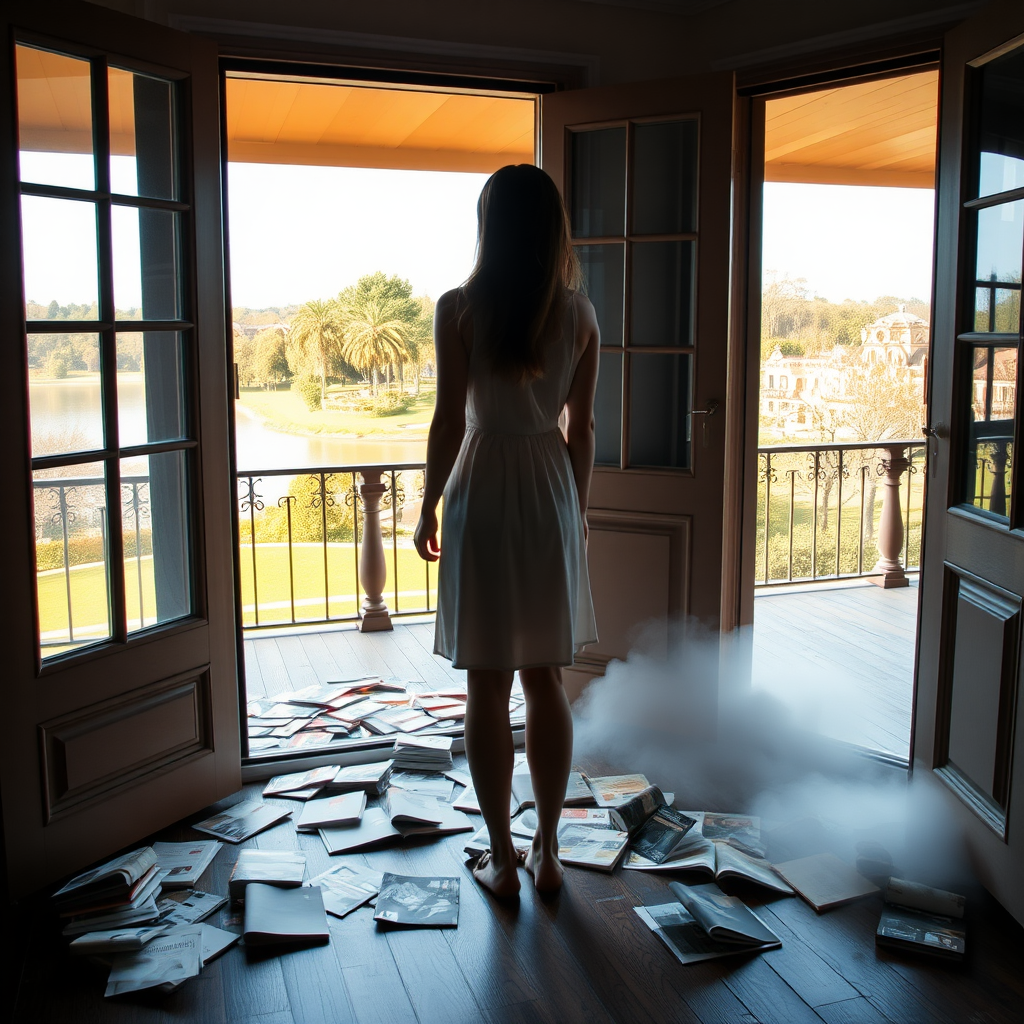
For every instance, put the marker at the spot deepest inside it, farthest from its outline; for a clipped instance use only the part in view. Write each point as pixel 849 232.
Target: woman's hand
pixel 425 537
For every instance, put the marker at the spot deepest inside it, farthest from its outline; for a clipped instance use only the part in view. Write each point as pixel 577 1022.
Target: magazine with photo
pixel 689 940
pixel 342 809
pixel 346 887
pixel 184 863
pixel 116 880
pixel 587 847
pixel 577 792
pixel 165 963
pixel 613 790
pixel 592 817
pixel 315 778
pixel 242 821
pixel 188 907
pixel 424 783
pixel 917 918
pixel 741 830
pixel 416 901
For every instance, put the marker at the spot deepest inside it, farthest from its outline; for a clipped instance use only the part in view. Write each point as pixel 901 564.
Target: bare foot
pixel 545 867
pixel 502 880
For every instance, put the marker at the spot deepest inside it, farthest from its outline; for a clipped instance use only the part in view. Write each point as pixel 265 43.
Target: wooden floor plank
pixel 852 1011
pixel 272 666
pixel 293 653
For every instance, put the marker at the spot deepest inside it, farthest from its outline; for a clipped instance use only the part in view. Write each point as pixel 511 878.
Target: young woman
pixel 516 345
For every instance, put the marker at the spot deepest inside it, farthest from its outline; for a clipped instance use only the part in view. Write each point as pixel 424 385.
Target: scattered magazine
pixel 825 881
pixel 480 842
pixel 739 830
pixel 92 916
pixel 423 753
pixel 346 887
pixel 373 778
pixel 184 863
pixel 590 847
pixel 119 940
pixel 316 778
pixel 424 783
pixel 612 790
pixel 274 915
pixel 145 913
pixel 576 791
pixel 117 881
pixel 406 808
pixel 284 868
pixel 709 925
pixel 164 963
pixel 418 902
pixel 657 829
pixel 343 809
pixel 920 919
pixel 467 801
pixel 373 829
pixel 188 907
pixel 242 821
pixel 593 817
pixel 216 941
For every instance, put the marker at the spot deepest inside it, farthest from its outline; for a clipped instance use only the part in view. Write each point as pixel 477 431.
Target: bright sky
pixel 300 233
pixel 850 242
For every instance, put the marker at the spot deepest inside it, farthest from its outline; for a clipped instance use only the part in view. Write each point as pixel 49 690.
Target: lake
pixel 66 416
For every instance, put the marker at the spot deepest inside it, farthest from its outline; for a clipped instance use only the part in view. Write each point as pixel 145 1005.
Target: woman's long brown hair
pixel 524 260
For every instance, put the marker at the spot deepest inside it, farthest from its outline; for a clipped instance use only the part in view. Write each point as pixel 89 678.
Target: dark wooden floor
pixel 583 956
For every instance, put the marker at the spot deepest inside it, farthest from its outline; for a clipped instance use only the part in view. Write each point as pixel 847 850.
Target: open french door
pixel 646 171
pixel 968 704
pixel 121 698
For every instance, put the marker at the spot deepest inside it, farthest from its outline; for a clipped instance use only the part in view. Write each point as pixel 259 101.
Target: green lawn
pixel 285 410
pixel 89 591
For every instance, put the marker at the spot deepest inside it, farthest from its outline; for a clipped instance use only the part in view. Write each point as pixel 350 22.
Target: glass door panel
pixel 597 200
pixel 665 178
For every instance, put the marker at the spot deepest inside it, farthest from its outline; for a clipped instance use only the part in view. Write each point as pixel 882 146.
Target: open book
pixel 719 858
pixel 921 919
pixel 706 924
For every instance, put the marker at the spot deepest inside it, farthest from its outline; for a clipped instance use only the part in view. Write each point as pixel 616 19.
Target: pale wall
pixel 630 44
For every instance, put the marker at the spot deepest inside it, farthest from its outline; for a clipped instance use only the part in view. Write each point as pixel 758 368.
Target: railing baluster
pixel 394 533
pixel 839 511
pixel 814 520
pixel 860 540
pixel 767 509
pixel 792 520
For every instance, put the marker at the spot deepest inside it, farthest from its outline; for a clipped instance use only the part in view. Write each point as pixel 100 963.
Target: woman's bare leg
pixel 549 752
pixel 490 753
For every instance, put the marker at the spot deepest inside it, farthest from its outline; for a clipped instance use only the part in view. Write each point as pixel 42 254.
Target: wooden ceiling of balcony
pixel 286 122
pixel 870 133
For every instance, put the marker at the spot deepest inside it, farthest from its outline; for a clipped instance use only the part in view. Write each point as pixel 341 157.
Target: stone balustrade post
pixel 373 571
pixel 997 497
pixel 888 569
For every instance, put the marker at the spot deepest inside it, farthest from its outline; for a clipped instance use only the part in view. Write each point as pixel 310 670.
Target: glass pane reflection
pixel 59 258
pixel 145 246
pixel 141 135
pixel 604 270
pixel 989 454
pixel 662 295
pixel 150 388
pixel 1000 243
pixel 54 119
pixel 64 393
pixel 157 565
pixel 598 198
pixel 659 411
pixel 608 411
pixel 1005 302
pixel 665 178
pixel 71 557
pixel 1001 115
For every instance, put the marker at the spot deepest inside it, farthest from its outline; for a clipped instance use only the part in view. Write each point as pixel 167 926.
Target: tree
pixel 244 353
pixel 315 339
pixel 379 320
pixel 270 361
pixel 421 338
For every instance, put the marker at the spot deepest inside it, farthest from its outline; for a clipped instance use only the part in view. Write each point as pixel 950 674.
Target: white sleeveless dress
pixel 513 588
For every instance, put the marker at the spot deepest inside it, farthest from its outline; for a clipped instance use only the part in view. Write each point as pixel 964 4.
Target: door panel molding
pixel 94 751
pixel 979 668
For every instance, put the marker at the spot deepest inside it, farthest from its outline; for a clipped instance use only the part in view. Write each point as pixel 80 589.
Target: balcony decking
pixel 841 656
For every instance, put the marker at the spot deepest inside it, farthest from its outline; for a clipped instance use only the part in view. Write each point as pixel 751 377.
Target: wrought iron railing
pixel 312 546
pixel 832 511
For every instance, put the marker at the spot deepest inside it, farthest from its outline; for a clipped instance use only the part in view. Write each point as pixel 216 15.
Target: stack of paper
pixel 424 753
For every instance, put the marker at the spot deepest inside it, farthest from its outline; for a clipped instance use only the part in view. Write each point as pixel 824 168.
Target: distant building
pixel 792 385
pixel 251 330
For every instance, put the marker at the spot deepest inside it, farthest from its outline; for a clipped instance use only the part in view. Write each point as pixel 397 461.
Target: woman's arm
pixel 448 424
pixel 579 405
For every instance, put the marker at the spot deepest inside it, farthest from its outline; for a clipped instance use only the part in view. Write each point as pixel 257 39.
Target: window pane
pixel 54 119
pixel 662 294
pixel 598 199
pixel 157 566
pixel 71 557
pixel 1005 301
pixel 1000 242
pixel 59 253
pixel 141 135
pixel 1002 114
pixel 608 411
pixel 145 263
pixel 659 407
pixel 150 388
pixel 989 454
pixel 604 270
pixel 665 178
pixel 64 393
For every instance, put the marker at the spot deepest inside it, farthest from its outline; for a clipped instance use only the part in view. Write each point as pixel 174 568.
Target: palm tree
pixel 316 336
pixel 376 331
